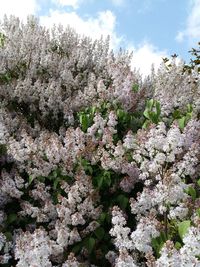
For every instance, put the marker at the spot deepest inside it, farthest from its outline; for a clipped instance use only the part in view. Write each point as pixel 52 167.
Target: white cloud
pixel 180 37
pixel 72 3
pixel 146 55
pixel 192 30
pixel 103 24
pixel 118 2
pixel 20 8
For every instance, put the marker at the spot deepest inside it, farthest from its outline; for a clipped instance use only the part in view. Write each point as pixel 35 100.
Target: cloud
pixel 101 25
pixel 19 8
pixel 72 3
pixel 118 2
pixel 180 37
pixel 192 30
pixel 146 55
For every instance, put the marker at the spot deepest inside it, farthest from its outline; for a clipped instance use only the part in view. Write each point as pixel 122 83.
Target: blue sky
pixel 152 29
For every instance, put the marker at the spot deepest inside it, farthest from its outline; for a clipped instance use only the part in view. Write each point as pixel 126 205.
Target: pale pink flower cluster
pixel 76 209
pixel 140 239
pixel 173 88
pixel 33 249
pixel 119 231
pixel 186 256
pixel 165 160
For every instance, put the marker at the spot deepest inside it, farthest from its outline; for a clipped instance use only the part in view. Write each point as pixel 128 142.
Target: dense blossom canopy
pixel 99 167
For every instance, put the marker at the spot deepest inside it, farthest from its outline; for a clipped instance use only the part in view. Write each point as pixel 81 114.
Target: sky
pixel 152 29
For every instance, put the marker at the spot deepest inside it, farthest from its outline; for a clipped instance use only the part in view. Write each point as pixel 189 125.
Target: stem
pixel 165 223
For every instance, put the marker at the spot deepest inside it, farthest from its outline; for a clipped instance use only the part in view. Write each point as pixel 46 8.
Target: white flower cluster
pixel 78 207
pixel 71 261
pixel 33 249
pixel 119 231
pixel 46 210
pixel 174 88
pixel 139 239
pixel 186 256
pixel 165 159
pixel 125 260
pixel 146 230
pixel 159 167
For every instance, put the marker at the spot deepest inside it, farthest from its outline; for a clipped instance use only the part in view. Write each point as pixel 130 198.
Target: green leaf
pixel 86 165
pixel 11 218
pixel 55 183
pixel 151 115
pixel 147 114
pixel 30 180
pixel 77 248
pixel 45 157
pixel 198 182
pixel 150 104
pixel 135 88
pixel 123 201
pixel 198 212
pixel 42 178
pixel 93 109
pixel 107 178
pixel 2 39
pixel 187 117
pixel 183 228
pixel 99 232
pixel 102 217
pixel 83 118
pixel 107 237
pixel 192 192
pixel 181 123
pixel 158 109
pixel 89 169
pixel 176 114
pixel 84 122
pixel 90 243
pixel 158 242
pixel 189 108
pixel 6 77
pixel 120 113
pixel 54 173
pixel 178 245
pixel 108 218
pixel 100 181
pixel 3 149
pixel 146 124
pixel 154 117
pixel 9 236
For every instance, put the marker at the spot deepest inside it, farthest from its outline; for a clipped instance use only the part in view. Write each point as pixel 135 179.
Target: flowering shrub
pixel 98 167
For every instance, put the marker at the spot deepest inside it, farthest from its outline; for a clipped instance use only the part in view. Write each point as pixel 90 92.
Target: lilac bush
pixel 99 167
